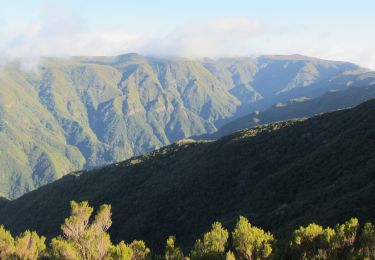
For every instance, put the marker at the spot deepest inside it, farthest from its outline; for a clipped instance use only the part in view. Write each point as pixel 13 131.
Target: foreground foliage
pixel 27 245
pixel 89 240
pixel 251 242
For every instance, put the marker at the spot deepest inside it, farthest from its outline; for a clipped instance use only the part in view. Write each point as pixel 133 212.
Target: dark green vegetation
pixel 297 108
pixel 85 237
pixel 280 176
pixel 82 112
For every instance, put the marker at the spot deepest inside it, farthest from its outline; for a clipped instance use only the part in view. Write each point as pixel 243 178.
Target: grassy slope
pixel 280 176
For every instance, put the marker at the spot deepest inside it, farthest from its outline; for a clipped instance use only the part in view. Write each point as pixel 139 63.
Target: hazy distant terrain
pixel 83 112
pixel 296 108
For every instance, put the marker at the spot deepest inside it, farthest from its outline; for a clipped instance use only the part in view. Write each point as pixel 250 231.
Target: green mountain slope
pixel 279 175
pixel 296 108
pixel 83 112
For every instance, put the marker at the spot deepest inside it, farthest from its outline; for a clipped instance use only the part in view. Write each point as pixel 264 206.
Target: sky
pixel 329 29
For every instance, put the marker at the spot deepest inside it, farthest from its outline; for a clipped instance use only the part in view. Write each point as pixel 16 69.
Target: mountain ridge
pixel 83 112
pixel 296 108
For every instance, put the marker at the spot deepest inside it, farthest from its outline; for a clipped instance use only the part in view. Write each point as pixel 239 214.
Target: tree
pixel 312 242
pixel 121 252
pixel 213 244
pixel 316 242
pixel 252 242
pixel 171 251
pixel 230 256
pixel 140 250
pixel 346 235
pixel 29 245
pixel 6 243
pixel 64 249
pixel 367 242
pixel 82 240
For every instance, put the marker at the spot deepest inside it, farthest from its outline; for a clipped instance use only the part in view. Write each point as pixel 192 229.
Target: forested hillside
pixel 280 176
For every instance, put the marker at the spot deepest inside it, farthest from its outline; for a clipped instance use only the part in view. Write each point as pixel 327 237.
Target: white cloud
pixel 67 35
pixel 60 31
pixel 227 36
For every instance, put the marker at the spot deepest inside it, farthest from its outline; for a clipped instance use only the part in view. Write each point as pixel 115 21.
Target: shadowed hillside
pixel 279 175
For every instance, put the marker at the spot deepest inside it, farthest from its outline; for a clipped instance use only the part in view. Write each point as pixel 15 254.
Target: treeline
pixel 89 240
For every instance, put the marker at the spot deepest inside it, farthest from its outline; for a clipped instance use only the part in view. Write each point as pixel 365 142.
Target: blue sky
pixel 332 29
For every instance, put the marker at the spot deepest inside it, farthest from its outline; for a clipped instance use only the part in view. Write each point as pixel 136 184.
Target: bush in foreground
pixel 83 239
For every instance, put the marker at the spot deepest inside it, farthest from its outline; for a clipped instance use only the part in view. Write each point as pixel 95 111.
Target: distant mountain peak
pixel 295 57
